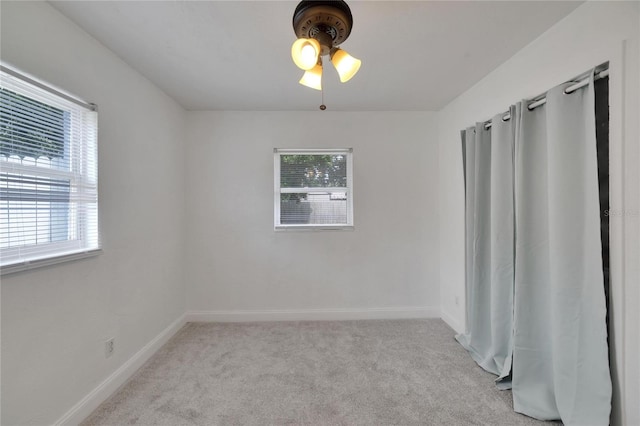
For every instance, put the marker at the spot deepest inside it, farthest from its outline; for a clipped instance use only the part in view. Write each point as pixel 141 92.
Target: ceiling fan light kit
pixel 313 77
pixel 346 65
pixel 321 26
pixel 305 53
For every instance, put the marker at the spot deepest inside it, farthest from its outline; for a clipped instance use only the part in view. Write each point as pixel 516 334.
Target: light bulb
pixel 308 53
pixel 305 53
pixel 346 65
pixel 313 78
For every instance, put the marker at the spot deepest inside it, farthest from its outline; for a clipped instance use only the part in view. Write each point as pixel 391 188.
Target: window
pixel 313 189
pixel 48 175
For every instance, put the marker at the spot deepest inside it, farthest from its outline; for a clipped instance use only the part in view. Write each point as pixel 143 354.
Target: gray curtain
pixel 560 361
pixel 488 155
pixel 541 316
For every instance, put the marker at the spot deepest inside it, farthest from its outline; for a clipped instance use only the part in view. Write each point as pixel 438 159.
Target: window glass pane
pixel 313 171
pixel 33 210
pixel 318 207
pixel 29 128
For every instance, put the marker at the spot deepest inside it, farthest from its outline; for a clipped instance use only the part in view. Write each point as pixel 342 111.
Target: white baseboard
pixel 314 314
pixel 104 390
pixel 452 322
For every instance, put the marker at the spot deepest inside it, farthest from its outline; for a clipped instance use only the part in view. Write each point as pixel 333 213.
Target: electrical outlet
pixel 109 347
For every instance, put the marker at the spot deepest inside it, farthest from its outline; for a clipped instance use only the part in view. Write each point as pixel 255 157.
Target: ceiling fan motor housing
pixel 328 21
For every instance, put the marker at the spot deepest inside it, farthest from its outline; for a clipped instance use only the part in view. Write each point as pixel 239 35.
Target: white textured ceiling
pixel 235 55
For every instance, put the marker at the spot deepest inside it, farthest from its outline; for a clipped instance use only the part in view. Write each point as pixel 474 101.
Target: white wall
pixel 55 320
pixel 592 34
pixel 387 266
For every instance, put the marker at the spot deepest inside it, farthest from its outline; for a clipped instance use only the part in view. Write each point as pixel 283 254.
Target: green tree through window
pixel 29 128
pixel 312 171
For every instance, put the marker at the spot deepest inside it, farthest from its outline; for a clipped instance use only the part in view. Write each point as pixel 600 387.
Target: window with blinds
pixel 313 189
pixel 48 175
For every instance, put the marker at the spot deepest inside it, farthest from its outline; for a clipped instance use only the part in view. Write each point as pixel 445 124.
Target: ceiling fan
pixel 321 26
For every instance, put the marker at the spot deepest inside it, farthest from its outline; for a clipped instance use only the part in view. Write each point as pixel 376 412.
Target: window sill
pixel 41 263
pixel 288 228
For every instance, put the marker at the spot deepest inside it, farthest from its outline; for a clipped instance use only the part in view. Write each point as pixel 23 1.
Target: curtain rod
pixel 19 75
pixel 543 100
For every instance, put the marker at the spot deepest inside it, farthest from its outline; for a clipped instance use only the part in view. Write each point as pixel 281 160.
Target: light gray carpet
pixel 383 372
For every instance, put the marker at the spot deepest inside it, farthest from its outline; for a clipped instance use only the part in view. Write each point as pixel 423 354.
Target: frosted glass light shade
pixel 305 53
pixel 346 65
pixel 313 78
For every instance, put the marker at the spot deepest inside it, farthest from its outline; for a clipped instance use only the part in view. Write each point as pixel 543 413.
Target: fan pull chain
pixel 322 105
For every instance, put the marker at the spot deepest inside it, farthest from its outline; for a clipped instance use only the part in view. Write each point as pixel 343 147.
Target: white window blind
pixel 313 189
pixel 48 175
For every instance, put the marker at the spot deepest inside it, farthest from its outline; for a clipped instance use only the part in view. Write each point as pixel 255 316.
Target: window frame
pixel 278 190
pixel 82 217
